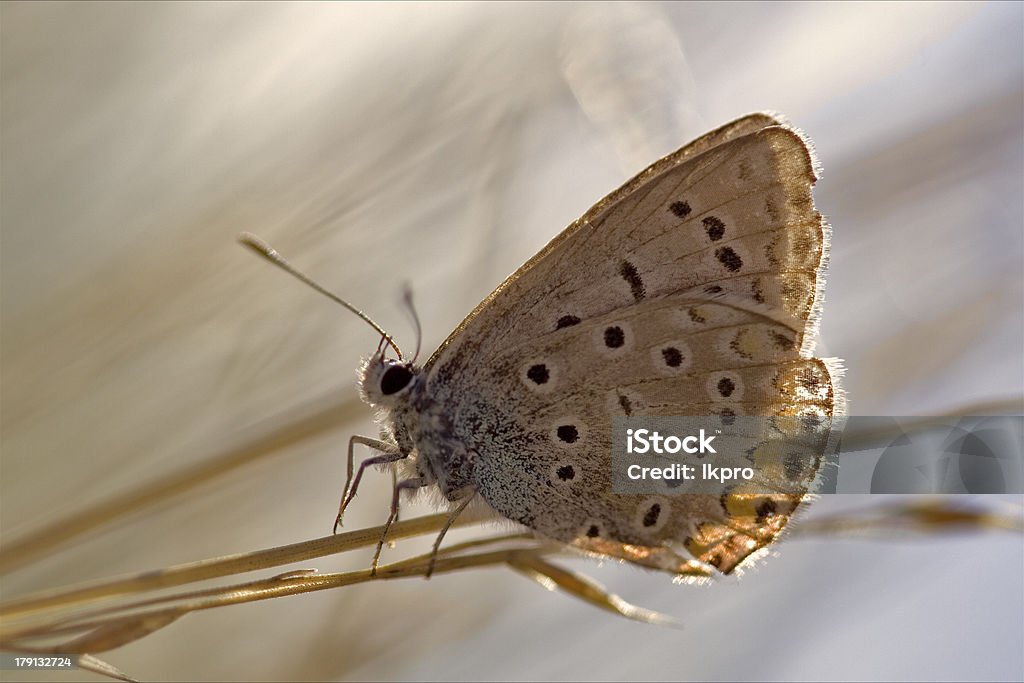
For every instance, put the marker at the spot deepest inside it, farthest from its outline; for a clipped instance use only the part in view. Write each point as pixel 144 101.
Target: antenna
pixel 407 300
pixel 268 252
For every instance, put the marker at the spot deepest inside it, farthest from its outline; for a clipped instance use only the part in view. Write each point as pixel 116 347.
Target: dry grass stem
pixel 102 616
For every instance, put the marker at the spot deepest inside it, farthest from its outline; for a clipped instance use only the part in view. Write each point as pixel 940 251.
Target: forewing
pixel 691 290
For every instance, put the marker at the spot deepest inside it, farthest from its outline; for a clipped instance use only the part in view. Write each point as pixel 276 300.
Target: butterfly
pixel 693 289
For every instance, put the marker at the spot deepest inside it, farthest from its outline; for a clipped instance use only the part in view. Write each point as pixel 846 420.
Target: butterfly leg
pixel 394 483
pixel 389 453
pixel 417 483
pixel 447 525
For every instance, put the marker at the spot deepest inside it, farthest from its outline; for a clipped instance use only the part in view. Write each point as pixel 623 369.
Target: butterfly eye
pixel 396 378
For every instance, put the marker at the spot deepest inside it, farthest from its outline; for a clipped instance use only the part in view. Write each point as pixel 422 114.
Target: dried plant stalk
pixel 73 621
pixel 102 616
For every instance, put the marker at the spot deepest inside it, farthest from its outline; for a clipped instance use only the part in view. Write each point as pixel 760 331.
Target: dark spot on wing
pixel 567 321
pixel 714 227
pixel 765 509
pixel 651 518
pixel 568 433
pixel 631 275
pixel 680 209
pixel 794 466
pixel 737 349
pixel 726 386
pixel 756 290
pixel 782 341
pixel 673 358
pixel 729 258
pixel 614 337
pixel 538 374
pixel 627 407
pixel 809 380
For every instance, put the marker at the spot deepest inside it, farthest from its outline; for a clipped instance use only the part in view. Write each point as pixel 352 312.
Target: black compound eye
pixel 395 378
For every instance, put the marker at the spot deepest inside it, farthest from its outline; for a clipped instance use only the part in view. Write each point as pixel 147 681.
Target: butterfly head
pixel 385 381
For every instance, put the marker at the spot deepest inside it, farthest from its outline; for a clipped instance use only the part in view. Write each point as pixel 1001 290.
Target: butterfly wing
pixel 691 290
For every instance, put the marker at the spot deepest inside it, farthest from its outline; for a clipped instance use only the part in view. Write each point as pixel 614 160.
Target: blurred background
pixel 442 145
